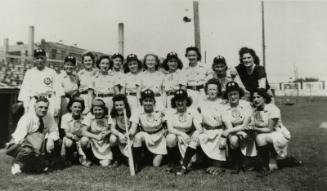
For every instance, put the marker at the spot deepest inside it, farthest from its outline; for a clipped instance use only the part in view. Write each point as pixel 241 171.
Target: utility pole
pixel 121 38
pixel 196 25
pixel 263 35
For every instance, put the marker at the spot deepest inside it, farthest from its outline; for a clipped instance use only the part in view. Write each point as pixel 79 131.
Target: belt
pixel 208 127
pixel 105 95
pixel 153 132
pixel 121 130
pixel 170 92
pixel 46 95
pixel 84 92
pixel 131 93
pixel 195 88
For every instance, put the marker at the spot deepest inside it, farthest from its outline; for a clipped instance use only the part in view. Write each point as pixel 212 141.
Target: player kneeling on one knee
pixel 150 120
pixel 181 120
pixel 118 138
pixel 34 139
pixel 271 135
pixel 236 117
pixel 98 132
pixel 73 123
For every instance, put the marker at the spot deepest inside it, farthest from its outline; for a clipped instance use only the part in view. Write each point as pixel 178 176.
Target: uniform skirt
pixel 133 102
pixel 87 102
pixel 156 142
pixel 196 96
pixel 101 149
pixel 280 138
pixel 209 141
pixel 123 146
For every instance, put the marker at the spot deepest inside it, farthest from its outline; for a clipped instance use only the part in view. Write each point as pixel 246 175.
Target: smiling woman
pixel 252 75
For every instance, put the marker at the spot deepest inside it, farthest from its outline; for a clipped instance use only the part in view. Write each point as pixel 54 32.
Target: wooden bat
pixel 129 147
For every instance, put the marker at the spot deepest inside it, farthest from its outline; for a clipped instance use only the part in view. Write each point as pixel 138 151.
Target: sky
pixel 296 31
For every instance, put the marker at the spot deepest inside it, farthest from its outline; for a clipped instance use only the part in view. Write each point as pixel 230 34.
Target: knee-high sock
pixel 137 153
pixel 237 156
pixel 263 156
pixel 173 155
pixel 188 156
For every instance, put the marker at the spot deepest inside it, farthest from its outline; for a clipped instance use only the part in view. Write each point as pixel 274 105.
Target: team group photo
pixel 184 118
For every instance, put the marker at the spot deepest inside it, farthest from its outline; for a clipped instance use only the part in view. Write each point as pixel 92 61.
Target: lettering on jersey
pixel 47 81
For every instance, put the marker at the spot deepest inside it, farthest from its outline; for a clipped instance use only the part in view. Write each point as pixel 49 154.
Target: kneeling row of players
pixel 219 128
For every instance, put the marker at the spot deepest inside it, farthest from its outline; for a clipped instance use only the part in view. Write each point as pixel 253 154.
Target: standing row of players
pixel 114 75
pixel 194 119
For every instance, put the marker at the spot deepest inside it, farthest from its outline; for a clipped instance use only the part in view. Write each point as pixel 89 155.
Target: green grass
pixel 309 143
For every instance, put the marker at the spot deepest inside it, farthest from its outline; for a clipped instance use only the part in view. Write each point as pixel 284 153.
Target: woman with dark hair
pixel 152 79
pixel 85 76
pixel 172 80
pixel 150 120
pixel 73 123
pixel 69 82
pixel 236 117
pixel 117 70
pixel 252 75
pixel 210 140
pixel 195 75
pixel 97 131
pixel 271 135
pixel 222 73
pixel 104 81
pixel 182 122
pixel 132 80
pixel 118 138
pixel 117 62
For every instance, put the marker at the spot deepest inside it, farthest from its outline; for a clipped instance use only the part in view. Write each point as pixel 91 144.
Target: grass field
pixel 309 144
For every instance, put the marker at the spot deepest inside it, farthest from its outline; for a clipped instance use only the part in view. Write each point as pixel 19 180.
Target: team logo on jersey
pixel 47 81
pixel 236 113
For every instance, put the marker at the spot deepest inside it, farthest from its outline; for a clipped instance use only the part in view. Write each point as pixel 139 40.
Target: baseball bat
pixel 129 147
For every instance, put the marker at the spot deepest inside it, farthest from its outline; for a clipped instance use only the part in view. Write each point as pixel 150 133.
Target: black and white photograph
pixel 163 95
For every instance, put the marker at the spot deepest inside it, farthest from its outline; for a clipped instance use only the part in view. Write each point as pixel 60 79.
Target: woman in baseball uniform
pixel 210 138
pixel 236 117
pixel 104 81
pixel 69 82
pixel 272 137
pixel 98 132
pixel 117 70
pixel 182 121
pixel 118 127
pixel 152 79
pixel 86 76
pixel 223 74
pixel 172 80
pixel 195 75
pixel 132 80
pixel 73 123
pixel 150 120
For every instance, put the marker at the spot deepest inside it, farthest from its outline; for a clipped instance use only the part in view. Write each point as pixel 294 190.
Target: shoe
pixel 84 162
pixel 263 172
pixel 104 162
pixel 15 169
pixel 182 171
